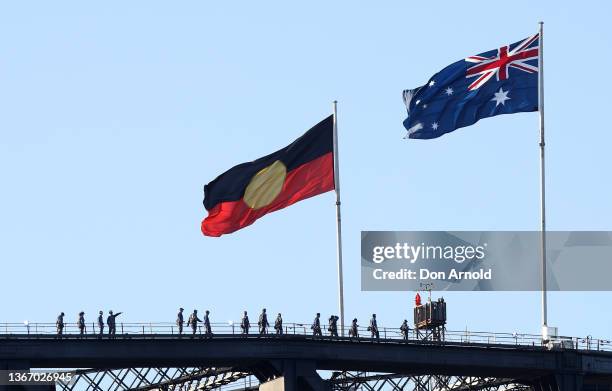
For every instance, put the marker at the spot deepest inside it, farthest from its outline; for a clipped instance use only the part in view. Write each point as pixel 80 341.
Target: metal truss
pixel 358 381
pixel 201 379
pixel 144 379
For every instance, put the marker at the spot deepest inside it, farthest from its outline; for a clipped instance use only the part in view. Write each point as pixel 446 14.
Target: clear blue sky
pixel 113 116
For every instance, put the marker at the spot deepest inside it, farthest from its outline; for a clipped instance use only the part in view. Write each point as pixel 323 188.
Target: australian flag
pixel 500 81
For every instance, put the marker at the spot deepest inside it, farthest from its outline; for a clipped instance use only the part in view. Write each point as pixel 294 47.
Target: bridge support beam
pixel 297 375
pixel 569 382
pixel 560 382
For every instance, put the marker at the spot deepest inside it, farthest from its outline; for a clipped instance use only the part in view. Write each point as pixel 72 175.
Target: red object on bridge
pixel 417 300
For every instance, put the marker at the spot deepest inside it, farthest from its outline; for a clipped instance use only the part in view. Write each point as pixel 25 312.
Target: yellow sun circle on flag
pixel 266 185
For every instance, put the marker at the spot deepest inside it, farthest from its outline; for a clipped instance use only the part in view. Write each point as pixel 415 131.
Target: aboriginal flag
pixel 246 192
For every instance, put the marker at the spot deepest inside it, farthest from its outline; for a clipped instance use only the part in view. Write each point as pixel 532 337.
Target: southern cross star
pixel 501 96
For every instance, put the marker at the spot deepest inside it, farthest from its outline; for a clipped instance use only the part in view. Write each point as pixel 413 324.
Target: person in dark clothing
pixel 374 327
pixel 263 322
pixel 101 322
pixel 206 321
pixel 316 325
pixel 81 322
pixel 333 326
pixel 59 324
pixel 245 324
pixel 110 321
pixel 193 321
pixel 179 320
pixel 405 329
pixel 278 324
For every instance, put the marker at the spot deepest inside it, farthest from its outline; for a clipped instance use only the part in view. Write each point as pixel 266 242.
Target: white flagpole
pixel 338 220
pixel 542 176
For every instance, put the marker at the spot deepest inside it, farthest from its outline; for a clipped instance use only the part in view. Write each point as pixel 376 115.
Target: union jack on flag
pixel 499 81
pixel 498 65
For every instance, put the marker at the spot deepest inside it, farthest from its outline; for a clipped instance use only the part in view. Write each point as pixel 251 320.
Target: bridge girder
pixel 201 379
pixel 149 379
pixel 166 362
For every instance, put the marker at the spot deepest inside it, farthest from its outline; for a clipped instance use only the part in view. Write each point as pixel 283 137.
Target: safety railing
pixel 233 329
